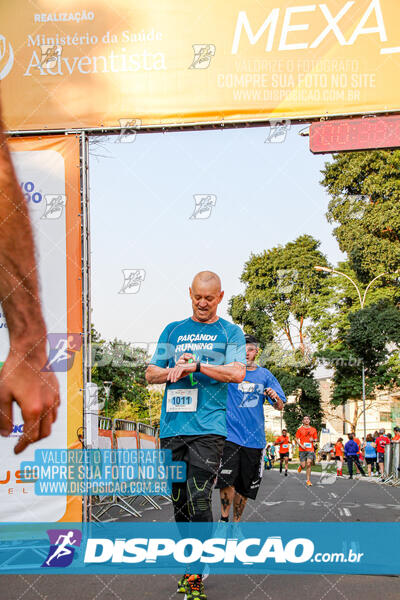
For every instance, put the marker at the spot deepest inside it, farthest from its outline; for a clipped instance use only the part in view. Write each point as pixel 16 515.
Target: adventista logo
pixel 6 57
pixel 62 542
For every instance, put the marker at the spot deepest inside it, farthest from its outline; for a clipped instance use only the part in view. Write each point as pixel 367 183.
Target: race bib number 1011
pixel 182 400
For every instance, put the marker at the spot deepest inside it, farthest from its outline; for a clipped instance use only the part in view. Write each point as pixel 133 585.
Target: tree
pixel 124 365
pixel 282 291
pixel 365 194
pixel 373 341
pixel 133 411
pixel 365 191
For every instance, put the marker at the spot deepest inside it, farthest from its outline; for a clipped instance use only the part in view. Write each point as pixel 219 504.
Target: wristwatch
pixel 198 365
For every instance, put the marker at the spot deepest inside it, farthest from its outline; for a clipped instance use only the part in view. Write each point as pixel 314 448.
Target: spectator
pixel 357 441
pixel 339 457
pixel 351 451
pixel 381 442
pixel 396 437
pixel 369 448
pixel 267 458
pixel 272 454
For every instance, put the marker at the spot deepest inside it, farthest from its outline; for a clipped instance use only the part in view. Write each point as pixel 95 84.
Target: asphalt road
pixel 280 499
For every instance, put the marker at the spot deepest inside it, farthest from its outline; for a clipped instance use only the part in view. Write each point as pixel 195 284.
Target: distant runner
pixel 283 442
pixel 339 452
pixel 306 438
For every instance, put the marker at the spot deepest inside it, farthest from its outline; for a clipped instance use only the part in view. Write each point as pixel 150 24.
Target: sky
pixel 142 192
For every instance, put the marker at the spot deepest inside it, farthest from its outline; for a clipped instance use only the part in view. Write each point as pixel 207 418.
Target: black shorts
pixel 283 454
pixel 380 457
pixel 241 468
pixel 370 460
pixel 202 451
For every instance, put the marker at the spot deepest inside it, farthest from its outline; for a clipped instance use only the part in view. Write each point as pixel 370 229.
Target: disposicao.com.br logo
pixel 6 57
pixel 215 550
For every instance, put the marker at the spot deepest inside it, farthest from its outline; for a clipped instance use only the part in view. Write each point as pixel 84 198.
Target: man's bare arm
pixel 21 379
pixel 232 373
pixel 156 374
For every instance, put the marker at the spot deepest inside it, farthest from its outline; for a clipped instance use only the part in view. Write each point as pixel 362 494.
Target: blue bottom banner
pixel 257 547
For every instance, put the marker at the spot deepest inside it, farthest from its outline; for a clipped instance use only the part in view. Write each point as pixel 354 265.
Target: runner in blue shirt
pixel 240 473
pixel 197 358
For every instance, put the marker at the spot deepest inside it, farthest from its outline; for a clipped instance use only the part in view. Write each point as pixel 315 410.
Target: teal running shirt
pixel 198 409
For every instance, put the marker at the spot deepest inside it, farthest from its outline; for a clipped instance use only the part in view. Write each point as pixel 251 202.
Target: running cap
pixel 250 339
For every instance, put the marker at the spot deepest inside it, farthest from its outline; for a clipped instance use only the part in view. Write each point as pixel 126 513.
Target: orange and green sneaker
pixel 182 584
pixel 308 482
pixel 195 588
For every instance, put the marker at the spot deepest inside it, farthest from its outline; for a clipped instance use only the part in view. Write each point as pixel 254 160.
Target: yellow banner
pixel 124 63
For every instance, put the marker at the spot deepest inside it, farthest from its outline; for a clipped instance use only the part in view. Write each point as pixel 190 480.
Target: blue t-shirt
pixel 218 343
pixel 245 410
pixel 351 448
pixel 370 451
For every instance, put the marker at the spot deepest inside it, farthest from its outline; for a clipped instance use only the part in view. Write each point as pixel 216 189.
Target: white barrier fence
pixel 122 434
pixel 391 465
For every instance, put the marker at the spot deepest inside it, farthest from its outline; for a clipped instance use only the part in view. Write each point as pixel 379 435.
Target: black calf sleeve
pixel 179 501
pixel 199 488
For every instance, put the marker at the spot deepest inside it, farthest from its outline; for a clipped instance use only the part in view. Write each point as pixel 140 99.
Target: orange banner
pixel 49 175
pixel 129 64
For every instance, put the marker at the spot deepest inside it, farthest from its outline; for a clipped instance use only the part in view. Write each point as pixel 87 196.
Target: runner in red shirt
pixel 339 456
pixel 306 437
pixel 283 442
pixel 381 442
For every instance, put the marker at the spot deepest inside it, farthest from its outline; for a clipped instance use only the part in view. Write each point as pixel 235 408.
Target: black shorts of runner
pixel 380 457
pixel 241 468
pixel 339 458
pixel 369 460
pixel 284 455
pixel 202 451
pixel 191 499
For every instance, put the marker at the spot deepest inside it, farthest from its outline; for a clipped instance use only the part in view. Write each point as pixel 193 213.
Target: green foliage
pixel 372 330
pixel 306 388
pixel 134 411
pixel 372 338
pixel 124 365
pixel 365 192
pixel 281 286
pixel 253 318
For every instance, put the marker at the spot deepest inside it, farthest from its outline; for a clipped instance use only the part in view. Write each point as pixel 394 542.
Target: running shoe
pixel 308 482
pixel 285 473
pixel 195 588
pixel 182 583
pixel 299 469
